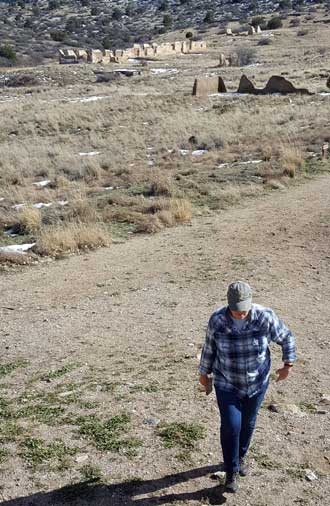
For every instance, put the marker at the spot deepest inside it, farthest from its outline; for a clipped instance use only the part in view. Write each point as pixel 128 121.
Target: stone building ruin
pixel 137 51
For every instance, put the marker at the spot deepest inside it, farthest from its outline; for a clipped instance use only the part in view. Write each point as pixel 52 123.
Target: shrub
pixel 189 35
pixel 265 42
pixel 245 56
pixel 274 23
pixel 295 22
pixel 167 21
pixel 58 35
pixel 15 81
pixel 117 14
pixel 301 33
pixel 209 17
pixel 73 24
pixel 7 52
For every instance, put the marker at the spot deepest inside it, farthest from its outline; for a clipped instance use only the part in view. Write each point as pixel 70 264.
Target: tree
pixel 284 4
pixel 189 35
pixel 163 6
pixel 117 14
pixel 53 4
pixel 106 43
pixel 209 17
pixel 73 24
pixel 167 21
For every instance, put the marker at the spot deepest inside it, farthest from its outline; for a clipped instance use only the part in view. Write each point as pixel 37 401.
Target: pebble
pixel 151 421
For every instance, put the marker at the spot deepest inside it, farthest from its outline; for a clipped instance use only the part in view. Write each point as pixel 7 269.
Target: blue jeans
pixel 238 418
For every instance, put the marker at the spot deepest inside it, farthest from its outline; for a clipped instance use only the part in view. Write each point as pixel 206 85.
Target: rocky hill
pixel 33 30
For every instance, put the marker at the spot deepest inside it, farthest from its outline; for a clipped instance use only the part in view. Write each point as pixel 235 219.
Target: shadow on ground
pixel 95 493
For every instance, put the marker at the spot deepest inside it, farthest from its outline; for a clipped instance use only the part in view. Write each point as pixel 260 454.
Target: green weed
pixel 106 435
pixel 6 369
pixel 36 452
pixel 307 407
pixel 91 472
pixel 58 373
pixel 42 413
pixel 182 434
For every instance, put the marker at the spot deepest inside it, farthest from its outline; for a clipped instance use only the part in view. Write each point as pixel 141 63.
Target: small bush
pixel 274 23
pixel 189 35
pixel 302 33
pixel 58 35
pixel 265 42
pixel 245 56
pixel 7 52
pixel 16 81
pixel 295 22
pixel 258 21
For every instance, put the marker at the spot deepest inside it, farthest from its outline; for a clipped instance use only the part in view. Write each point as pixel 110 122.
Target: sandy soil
pixel 138 311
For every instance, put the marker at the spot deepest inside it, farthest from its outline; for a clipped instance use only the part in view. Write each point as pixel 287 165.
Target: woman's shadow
pixel 95 493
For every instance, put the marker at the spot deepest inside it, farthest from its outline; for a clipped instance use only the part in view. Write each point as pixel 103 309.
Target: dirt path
pixel 138 311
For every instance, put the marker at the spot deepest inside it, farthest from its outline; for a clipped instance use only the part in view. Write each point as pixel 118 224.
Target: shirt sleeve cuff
pixel 203 370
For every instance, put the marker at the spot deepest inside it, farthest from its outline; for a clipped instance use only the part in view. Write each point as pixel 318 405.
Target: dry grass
pixel 30 220
pixel 71 238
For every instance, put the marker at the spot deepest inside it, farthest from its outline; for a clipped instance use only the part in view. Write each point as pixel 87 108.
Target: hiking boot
pixel 231 483
pixel 243 467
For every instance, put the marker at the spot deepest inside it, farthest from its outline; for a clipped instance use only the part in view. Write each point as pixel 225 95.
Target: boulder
pixel 247 86
pixel 228 31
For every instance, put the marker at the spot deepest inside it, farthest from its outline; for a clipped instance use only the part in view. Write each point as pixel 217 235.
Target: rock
pixel 151 421
pixel 310 475
pixel 81 458
pixel 325 399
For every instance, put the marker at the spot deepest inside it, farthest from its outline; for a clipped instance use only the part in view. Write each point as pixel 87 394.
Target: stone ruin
pixel 251 31
pixel 208 86
pixel 230 61
pixel 137 51
pixel 276 84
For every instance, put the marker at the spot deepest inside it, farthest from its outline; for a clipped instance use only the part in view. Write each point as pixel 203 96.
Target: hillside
pixel 36 29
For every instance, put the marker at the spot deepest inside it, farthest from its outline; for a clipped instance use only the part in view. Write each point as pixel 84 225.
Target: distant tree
pixel 58 35
pixel 53 4
pixel 95 11
pixel 36 11
pixel 117 14
pixel 167 21
pixel 209 17
pixel 285 4
pixel 73 24
pixel 129 9
pixel 8 52
pixel 107 43
pixel 189 35
pixel 163 6
pixel 274 23
pixel 28 24
pixel 21 4
pixel 85 3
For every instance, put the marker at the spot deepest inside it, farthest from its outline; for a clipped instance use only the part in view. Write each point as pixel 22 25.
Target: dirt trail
pixel 145 303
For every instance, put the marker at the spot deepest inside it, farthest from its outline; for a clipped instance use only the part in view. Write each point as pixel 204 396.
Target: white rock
pixel 199 152
pixel 90 153
pixel 310 475
pixel 81 458
pixel 40 205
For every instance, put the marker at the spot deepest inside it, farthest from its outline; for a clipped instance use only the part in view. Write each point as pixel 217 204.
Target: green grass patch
pixel 307 407
pixel 91 472
pixel 106 435
pixel 9 431
pixel 42 413
pixel 184 435
pixel 4 453
pixel 6 369
pixel 58 373
pixel 36 452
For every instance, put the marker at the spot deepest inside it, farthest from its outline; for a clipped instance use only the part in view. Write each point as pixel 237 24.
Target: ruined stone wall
pixel 137 51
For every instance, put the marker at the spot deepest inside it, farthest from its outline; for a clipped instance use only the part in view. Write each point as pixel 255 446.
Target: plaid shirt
pixel 240 359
